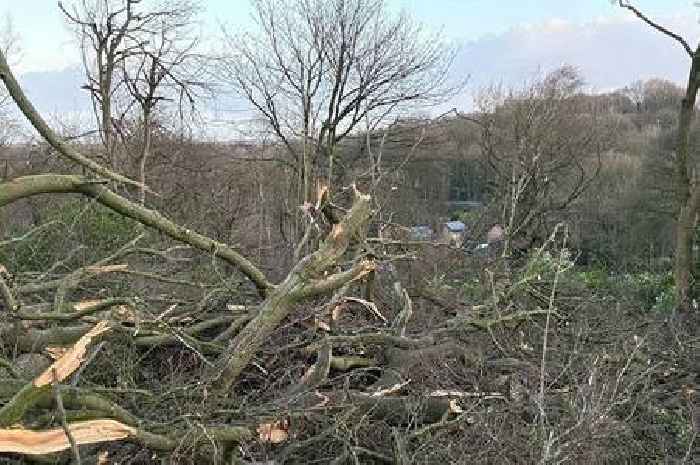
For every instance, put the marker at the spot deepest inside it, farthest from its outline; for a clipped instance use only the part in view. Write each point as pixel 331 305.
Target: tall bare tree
pixel 161 70
pixel 316 69
pixel 687 182
pixel 542 147
pixel 109 32
pixel 9 43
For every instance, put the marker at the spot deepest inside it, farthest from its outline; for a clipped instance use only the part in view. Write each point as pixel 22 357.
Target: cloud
pixel 56 91
pixel 610 52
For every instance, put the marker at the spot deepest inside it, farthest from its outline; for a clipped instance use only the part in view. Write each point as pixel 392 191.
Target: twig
pixel 6 292
pixel 64 423
pixel 28 234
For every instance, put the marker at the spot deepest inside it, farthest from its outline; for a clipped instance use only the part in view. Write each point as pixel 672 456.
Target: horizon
pixel 500 42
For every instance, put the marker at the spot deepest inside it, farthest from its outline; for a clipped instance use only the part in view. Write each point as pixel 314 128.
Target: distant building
pixel 421 232
pixel 496 234
pixel 454 232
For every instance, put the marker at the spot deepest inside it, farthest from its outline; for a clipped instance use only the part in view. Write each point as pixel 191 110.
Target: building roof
pixel 456 226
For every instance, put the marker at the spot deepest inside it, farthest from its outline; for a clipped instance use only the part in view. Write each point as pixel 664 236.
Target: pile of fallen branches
pixel 335 363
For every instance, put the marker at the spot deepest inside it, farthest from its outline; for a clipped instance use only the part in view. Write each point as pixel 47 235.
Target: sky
pixel 47 43
pixel 501 40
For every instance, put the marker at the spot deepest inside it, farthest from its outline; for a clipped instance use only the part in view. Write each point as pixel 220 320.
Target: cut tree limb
pixel 68 152
pixel 31 393
pixel 305 280
pixel 29 442
pixel 27 186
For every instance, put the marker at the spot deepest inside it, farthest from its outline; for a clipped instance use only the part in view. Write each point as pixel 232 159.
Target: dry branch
pixel 6 292
pixel 32 392
pixel 71 360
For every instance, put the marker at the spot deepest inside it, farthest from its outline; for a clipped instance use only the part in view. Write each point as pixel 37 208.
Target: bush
pixel 89 229
pixel 650 291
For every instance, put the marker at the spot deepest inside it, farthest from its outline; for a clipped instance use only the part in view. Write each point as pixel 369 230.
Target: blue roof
pixel 456 226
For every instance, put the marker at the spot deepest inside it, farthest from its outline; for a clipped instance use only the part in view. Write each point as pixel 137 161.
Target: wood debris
pixel 24 441
pixel 71 359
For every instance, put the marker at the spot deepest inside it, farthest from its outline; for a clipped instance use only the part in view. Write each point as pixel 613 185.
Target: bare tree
pixel 687 185
pixel 542 148
pixel 109 32
pixel 9 44
pixel 316 69
pixel 161 70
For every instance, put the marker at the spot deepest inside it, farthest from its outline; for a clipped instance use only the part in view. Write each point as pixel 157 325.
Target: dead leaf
pixel 71 359
pixel 368 266
pixel 274 433
pixel 24 441
pixel 337 310
pixel 308 374
pixel 103 458
pixel 320 324
pixel 337 231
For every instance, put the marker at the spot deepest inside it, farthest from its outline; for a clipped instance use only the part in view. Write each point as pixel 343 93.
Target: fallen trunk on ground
pixel 304 281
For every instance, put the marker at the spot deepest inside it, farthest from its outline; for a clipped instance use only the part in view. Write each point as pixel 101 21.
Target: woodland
pixel 266 298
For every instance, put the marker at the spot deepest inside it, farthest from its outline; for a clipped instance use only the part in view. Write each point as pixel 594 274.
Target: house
pixel 453 232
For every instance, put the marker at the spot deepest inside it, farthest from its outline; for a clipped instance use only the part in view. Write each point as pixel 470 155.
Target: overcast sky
pixel 502 41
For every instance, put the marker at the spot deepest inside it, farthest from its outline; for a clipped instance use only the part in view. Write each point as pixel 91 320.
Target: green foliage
pixel 89 229
pixel 649 291
pixel 545 265
pixel 654 291
pixel 469 217
pixel 473 290
pixel 595 278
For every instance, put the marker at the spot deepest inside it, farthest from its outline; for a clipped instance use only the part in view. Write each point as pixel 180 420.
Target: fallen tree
pixel 295 370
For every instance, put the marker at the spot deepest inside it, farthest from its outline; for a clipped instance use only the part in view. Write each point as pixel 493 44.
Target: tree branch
pixel 657 26
pixel 27 186
pixel 47 133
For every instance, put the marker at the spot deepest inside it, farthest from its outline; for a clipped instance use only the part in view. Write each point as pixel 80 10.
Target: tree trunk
pixel 687 193
pixel 304 281
pixel 684 264
pixel 145 154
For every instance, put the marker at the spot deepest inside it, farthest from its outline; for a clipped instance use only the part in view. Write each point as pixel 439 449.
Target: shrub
pixel 88 229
